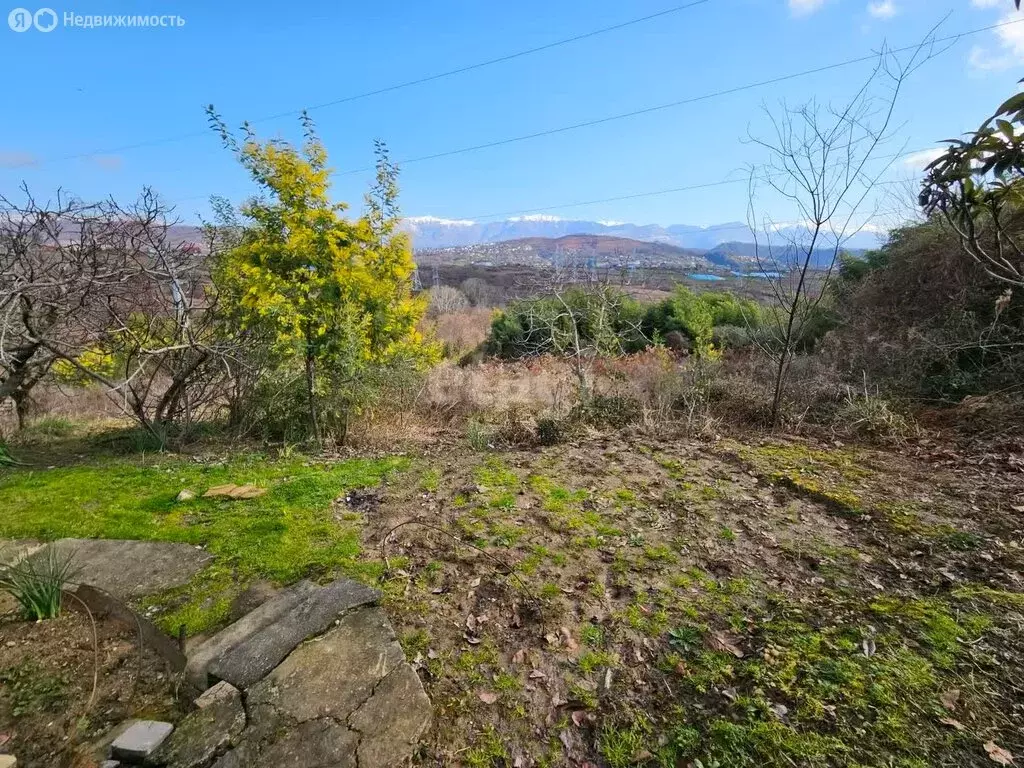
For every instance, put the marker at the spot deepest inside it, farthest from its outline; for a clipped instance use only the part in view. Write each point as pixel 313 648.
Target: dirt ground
pixel 651 601
pixel 50 714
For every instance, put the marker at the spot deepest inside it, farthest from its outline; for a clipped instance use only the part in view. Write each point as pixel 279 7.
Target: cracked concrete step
pixel 235 634
pixel 250 660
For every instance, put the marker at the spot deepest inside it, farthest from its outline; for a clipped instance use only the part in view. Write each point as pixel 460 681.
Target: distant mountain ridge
pixel 431 232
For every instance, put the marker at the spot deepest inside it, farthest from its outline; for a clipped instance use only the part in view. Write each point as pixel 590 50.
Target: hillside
pixel 585 250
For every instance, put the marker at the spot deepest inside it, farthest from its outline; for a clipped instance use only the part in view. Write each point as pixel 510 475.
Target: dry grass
pixel 461 331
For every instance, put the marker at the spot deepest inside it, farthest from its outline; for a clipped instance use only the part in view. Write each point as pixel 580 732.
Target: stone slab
pixel 8 761
pixel 204 734
pixel 13 551
pixel 140 740
pixel 332 676
pixel 392 720
pixel 225 641
pixel 346 699
pixel 253 658
pixel 131 569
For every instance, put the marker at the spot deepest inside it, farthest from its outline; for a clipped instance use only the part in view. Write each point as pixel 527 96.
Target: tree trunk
pixel 314 422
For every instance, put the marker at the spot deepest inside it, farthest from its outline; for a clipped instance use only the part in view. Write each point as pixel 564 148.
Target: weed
pixel 31 689
pixel 37 583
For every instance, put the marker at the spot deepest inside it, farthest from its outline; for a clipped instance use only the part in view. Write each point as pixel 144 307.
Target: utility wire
pixel 402 85
pixel 681 102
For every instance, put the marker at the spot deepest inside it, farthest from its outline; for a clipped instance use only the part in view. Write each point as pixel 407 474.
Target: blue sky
pixel 76 91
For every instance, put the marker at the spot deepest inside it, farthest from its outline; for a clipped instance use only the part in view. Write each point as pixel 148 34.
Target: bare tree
pixel 61 272
pixel 818 166
pixel 577 314
pixel 113 294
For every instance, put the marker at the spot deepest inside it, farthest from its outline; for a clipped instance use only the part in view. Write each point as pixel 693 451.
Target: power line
pixel 671 190
pixel 402 85
pixel 681 102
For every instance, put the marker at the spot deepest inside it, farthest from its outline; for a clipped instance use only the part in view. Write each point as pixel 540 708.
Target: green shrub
pixel 550 431
pixel 37 584
pixel 579 321
pixel 614 411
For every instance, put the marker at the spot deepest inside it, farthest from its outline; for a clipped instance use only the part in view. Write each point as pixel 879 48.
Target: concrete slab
pixel 140 740
pixel 254 657
pixel 13 551
pixel 225 641
pixel 131 569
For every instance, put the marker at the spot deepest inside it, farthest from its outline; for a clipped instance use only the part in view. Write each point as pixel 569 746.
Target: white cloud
pixel 18 160
pixel 1009 49
pixel 442 222
pixel 804 7
pixel 610 223
pixel 918 160
pixel 987 3
pixel 882 9
pixel 536 217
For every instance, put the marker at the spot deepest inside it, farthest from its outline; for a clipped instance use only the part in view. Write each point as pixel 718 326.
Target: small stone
pixel 140 740
pixel 220 692
pixel 110 764
pixel 185 495
pixel 8 761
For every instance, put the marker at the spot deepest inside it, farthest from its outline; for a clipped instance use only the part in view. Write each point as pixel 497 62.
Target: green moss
pixel 622 747
pixel 487 751
pixel 430 481
pixel 590 661
pixel 592 635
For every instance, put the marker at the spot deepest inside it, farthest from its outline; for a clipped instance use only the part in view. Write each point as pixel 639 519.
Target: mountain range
pixel 429 232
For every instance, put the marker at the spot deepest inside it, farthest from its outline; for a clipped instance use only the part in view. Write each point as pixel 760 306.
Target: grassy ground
pixel 720 604
pixel 300 527
pixel 631 601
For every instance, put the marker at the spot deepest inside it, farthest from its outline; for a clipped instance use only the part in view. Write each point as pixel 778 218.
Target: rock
pixel 254 657
pixel 204 734
pixel 216 694
pixel 129 569
pixel 316 744
pixel 110 764
pixel 13 551
pixel 232 491
pixel 347 699
pixel 8 761
pixel 225 641
pixel 392 720
pixel 255 595
pixel 333 676
pixel 140 740
pixel 185 494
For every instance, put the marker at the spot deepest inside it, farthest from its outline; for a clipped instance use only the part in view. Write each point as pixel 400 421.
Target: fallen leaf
pixel 471 622
pixel 474 583
pixel 567 640
pixel 952 723
pixel 869 646
pixel 487 697
pixel 682 669
pixel 997 754
pixel 232 491
pixel 719 641
pixel 472 640
pixel 950 698
pixel 519 656
pixel 537 675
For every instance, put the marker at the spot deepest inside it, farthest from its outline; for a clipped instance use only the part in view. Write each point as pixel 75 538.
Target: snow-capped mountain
pixel 432 232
